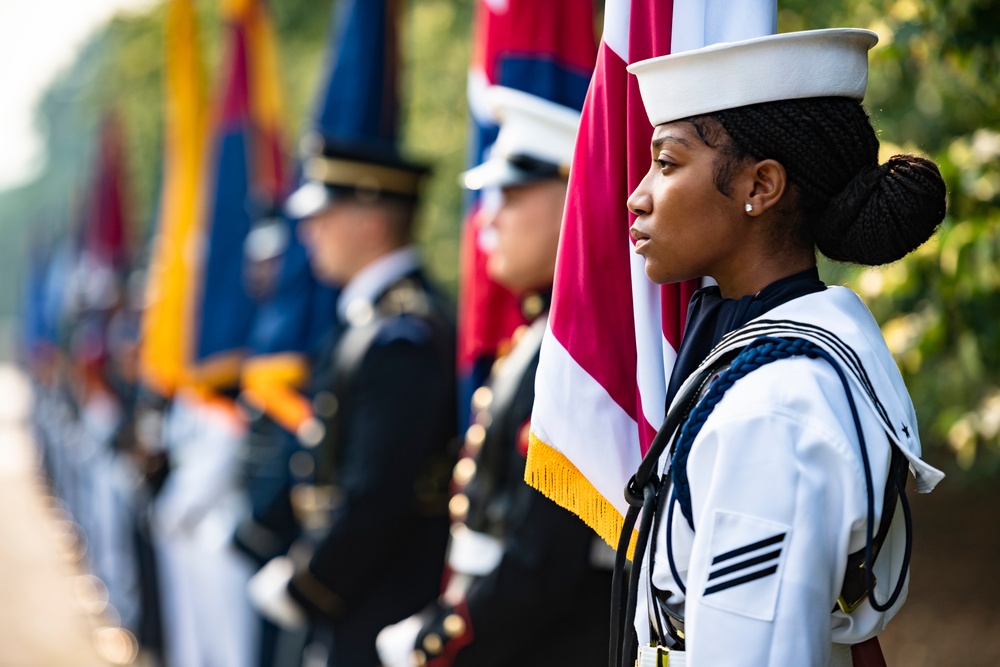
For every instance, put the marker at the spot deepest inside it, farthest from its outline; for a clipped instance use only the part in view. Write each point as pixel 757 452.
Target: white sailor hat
pixel 536 140
pixel 793 65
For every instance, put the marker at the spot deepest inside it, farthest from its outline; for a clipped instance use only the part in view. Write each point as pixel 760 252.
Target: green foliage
pixel 940 310
pixel 933 74
pixel 436 61
pixel 121 70
pixel 129 83
pixel 941 306
pixel 932 90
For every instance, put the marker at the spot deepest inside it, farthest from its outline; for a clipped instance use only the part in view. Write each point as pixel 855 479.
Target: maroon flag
pixel 613 335
pixel 543 47
pixel 105 236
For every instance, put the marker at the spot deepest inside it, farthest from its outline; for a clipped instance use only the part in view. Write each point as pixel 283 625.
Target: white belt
pixel 657 656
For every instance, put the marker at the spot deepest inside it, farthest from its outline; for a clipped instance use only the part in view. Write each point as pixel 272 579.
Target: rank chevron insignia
pixel 727 567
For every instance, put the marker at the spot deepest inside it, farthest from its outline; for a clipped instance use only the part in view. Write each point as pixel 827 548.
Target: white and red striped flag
pixel 613 335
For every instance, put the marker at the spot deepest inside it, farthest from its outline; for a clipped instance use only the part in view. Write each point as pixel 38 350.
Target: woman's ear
pixel 767 181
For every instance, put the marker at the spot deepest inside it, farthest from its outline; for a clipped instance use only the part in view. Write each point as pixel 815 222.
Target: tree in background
pixel 933 91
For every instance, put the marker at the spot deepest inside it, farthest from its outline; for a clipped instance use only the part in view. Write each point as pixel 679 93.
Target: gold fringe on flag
pixel 555 476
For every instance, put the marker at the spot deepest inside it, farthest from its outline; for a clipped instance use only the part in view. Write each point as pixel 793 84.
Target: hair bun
pixel 884 213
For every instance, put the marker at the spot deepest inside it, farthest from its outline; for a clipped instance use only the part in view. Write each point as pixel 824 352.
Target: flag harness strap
pixel 646 492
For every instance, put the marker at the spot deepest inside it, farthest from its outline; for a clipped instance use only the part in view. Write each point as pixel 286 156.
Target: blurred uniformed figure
pixel 528 583
pixel 369 484
pixel 272 379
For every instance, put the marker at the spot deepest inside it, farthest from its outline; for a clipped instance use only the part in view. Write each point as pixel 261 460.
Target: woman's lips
pixel 640 238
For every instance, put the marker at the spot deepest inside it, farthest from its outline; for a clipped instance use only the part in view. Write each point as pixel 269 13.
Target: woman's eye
pixel 664 163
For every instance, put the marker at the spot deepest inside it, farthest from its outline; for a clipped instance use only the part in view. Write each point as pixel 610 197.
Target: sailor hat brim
pixel 510 172
pixel 795 65
pixel 536 141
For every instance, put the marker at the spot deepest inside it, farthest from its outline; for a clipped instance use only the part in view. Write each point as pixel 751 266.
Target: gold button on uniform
pixel 532 306
pixel 311 432
pixel 433 644
pixel 465 470
pixel 474 437
pixel 458 507
pixel 482 398
pixel 454 625
pixel 326 404
pixel 419 658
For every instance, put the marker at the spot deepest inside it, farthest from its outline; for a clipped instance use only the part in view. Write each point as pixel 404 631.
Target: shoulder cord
pixel 641 493
pixel 760 352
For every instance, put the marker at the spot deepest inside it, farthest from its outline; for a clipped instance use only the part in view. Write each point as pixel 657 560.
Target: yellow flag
pixel 166 322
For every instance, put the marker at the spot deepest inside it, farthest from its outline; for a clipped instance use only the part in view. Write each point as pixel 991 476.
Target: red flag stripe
pixel 592 305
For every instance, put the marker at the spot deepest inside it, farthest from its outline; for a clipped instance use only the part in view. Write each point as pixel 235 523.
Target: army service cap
pixel 333 169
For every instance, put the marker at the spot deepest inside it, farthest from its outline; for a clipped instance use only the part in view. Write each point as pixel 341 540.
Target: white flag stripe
pixel 617 14
pixel 599 436
pixel 697 23
pixel 688 31
pixel 653 368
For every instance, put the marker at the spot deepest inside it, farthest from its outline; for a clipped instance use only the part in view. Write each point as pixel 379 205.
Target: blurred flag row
pixel 223 171
pixel 231 302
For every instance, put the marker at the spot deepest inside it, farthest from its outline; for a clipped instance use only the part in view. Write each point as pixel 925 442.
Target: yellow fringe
pixel 219 371
pixel 555 476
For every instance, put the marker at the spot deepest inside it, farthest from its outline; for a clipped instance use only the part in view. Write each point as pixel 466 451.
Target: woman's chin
pixel 657 274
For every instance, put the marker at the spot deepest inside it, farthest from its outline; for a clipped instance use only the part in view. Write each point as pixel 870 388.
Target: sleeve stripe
pixel 742 565
pixel 748 548
pixel 760 574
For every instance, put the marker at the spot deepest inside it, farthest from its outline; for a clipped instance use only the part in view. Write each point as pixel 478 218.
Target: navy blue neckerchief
pixel 710 317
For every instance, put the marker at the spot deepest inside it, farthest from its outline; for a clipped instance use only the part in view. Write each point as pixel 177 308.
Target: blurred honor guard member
pixel 528 584
pixel 374 465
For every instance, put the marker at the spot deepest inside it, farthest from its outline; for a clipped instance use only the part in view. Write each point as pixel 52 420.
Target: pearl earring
pixel 749 208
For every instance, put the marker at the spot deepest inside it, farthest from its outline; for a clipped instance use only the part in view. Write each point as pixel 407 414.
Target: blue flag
pixel 356 106
pixel 246 157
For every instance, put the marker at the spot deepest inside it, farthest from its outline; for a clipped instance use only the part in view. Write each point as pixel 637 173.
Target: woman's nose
pixel 639 201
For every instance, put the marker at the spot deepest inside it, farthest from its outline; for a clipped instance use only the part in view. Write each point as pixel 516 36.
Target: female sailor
pixel 774 528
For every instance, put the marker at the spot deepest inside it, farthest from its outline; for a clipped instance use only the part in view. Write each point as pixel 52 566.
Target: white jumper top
pixel 779 499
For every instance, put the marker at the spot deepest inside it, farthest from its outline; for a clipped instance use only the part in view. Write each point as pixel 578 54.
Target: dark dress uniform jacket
pixel 387 458
pixel 546 603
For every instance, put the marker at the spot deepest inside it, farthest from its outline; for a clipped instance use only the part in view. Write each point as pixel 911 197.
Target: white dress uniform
pixel 779 498
pixel 208 617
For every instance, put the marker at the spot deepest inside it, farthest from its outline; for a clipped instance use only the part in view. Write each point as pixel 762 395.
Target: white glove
pixel 268 592
pixel 395 643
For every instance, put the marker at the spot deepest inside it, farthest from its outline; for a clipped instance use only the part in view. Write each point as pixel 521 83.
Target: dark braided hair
pixel 852 208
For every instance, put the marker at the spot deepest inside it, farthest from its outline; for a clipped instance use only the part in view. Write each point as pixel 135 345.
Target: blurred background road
pixel 52 614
